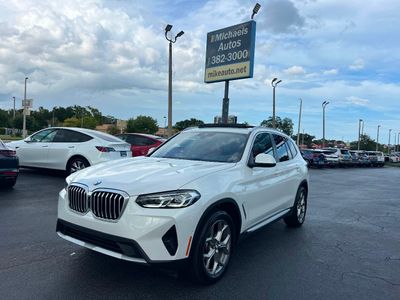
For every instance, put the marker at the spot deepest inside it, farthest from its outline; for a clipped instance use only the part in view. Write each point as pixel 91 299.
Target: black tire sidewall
pixel 198 271
pixel 82 159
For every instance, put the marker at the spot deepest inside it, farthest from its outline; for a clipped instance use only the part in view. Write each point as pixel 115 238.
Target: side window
pixel 142 141
pixel 38 137
pixel 292 147
pixel 262 144
pixel 50 137
pixel 282 152
pixel 70 136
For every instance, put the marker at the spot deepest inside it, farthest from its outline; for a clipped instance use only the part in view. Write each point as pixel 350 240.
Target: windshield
pixel 204 146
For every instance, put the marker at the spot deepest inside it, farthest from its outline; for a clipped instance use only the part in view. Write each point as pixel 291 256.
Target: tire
pixel 76 164
pixel 9 184
pixel 297 214
pixel 211 252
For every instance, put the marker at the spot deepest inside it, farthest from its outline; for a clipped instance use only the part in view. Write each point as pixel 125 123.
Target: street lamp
pixel 324 104
pixel 398 139
pixel 298 129
pixel 14 109
pixel 171 41
pixel 24 113
pixel 377 138
pixel 390 131
pixel 274 83
pixel 359 132
pixel 255 10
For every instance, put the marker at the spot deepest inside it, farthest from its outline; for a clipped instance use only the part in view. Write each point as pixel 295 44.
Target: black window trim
pixel 252 144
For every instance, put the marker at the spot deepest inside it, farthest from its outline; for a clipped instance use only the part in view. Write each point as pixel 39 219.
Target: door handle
pixel 71 147
pixel 45 146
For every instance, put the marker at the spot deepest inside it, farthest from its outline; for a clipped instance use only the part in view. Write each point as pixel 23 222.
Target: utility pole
pixel 274 83
pixel 24 133
pixel 359 133
pixel 390 132
pixel 14 109
pixel 298 129
pixel 324 104
pixel 377 138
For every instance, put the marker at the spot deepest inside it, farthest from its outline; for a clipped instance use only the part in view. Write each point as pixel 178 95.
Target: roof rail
pixel 225 126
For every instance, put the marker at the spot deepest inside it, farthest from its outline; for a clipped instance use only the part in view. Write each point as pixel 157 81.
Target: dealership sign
pixel 230 53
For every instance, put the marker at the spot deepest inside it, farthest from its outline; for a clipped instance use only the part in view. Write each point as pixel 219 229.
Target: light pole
pixel 390 131
pixel 14 109
pixel 359 133
pixel 302 138
pixel 324 104
pixel 171 41
pixel 298 129
pixel 24 113
pixel 274 83
pixel 395 142
pixel 377 138
pixel 362 128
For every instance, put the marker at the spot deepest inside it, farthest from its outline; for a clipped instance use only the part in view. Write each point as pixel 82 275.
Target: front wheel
pixel 297 214
pixel 212 251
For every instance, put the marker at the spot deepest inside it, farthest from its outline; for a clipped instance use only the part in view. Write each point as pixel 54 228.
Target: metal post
pixel 273 108
pixel 302 138
pixel 14 109
pixel 362 128
pixel 395 142
pixel 398 139
pixel 225 104
pixel 359 133
pixel 377 138
pixel 390 131
pixel 170 90
pixel 298 129
pixel 24 133
pixel 324 104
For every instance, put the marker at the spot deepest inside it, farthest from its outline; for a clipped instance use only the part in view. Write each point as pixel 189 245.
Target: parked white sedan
pixel 70 149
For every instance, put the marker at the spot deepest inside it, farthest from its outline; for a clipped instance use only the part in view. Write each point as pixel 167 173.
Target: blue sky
pixel 113 55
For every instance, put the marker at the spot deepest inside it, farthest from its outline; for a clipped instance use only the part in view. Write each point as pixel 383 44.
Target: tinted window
pixel 292 147
pixel 69 136
pixel 105 136
pixel 282 152
pixel 143 141
pixel 262 144
pixel 344 151
pixel 204 146
pixel 38 137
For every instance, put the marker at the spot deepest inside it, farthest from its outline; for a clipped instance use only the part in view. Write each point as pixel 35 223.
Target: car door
pixel 64 146
pixel 34 151
pixel 287 170
pixel 262 188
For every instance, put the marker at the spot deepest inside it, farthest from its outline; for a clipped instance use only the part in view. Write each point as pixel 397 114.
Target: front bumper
pixel 140 235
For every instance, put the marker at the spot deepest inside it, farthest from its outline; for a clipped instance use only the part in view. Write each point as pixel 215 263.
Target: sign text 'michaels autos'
pixel 230 53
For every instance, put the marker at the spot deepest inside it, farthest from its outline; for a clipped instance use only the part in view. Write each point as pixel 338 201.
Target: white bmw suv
pixel 188 201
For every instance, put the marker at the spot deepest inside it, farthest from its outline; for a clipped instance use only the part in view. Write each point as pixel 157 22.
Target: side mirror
pixel 27 139
pixel 264 160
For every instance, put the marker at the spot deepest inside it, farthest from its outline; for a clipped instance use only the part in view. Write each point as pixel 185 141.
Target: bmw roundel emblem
pixel 97 182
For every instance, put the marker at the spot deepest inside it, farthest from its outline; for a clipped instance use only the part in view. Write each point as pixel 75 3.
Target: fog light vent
pixel 170 240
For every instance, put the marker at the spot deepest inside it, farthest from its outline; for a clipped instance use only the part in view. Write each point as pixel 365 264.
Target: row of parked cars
pixel 69 149
pixel 338 157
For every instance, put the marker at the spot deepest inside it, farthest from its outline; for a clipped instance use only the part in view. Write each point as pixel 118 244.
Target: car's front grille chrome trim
pixel 103 203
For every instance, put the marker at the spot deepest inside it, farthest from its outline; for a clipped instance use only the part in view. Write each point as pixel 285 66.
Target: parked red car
pixel 141 143
pixel 9 166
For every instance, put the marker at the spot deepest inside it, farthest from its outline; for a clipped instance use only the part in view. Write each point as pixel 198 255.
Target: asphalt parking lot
pixel 349 248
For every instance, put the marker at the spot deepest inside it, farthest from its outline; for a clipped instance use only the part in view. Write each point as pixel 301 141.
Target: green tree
pixel 142 124
pixel 72 122
pixel 366 143
pixel 285 125
pixel 307 139
pixel 187 123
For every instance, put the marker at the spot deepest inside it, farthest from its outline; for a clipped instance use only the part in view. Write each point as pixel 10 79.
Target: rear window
pixel 105 136
pixel 328 152
pixel 344 151
pixel 372 154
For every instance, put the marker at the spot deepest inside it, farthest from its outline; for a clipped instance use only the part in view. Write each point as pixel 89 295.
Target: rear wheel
pixel 10 184
pixel 77 164
pixel 212 251
pixel 298 212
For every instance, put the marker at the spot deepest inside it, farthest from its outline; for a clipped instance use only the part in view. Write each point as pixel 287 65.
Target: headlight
pixel 174 199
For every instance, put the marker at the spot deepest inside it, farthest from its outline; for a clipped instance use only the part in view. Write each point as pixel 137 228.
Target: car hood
pixel 15 144
pixel 144 175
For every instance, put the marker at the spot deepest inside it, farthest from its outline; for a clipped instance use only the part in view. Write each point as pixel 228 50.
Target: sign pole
pixel 225 104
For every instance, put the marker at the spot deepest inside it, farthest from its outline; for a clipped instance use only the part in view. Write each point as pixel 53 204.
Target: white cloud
pixel 357 101
pixel 331 72
pixel 294 71
pixel 357 65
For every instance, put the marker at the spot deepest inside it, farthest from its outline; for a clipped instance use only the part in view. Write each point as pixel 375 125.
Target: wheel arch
pixel 229 206
pixel 76 156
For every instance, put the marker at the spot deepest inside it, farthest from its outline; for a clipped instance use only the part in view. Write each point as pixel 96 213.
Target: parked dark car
pixel 314 158
pixel 141 143
pixel 9 166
